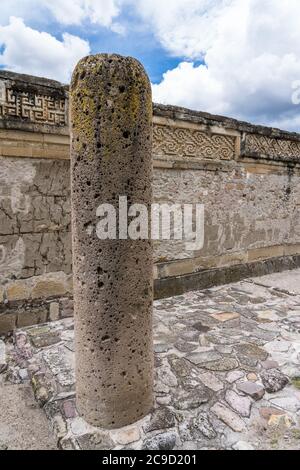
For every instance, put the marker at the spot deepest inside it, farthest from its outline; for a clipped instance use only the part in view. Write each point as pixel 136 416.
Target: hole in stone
pixel 126 134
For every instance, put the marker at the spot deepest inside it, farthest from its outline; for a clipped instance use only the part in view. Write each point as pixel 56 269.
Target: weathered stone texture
pixel 174 141
pixel 111 112
pixel 32 103
pixel 35 218
pixel 243 212
pixel 235 411
pixel 268 147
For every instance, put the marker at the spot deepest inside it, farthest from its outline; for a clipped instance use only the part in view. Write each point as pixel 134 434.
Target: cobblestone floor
pixel 227 372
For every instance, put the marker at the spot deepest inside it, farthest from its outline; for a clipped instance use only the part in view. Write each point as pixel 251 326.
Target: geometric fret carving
pixel 170 140
pixel 277 149
pixel 32 103
pixel 30 107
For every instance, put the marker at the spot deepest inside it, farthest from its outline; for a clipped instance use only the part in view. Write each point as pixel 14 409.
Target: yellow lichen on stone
pixel 111 112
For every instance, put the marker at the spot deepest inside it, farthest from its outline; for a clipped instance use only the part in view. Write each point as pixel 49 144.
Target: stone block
pixel 69 284
pixel 19 290
pixel 242 405
pixel 67 308
pixel 1 294
pixel 225 316
pixel 3 363
pixel 267 316
pixel 32 317
pixel 274 380
pixel 69 409
pixel 254 390
pixel 264 253
pixel 211 381
pixel 165 441
pixel 48 288
pixel 54 311
pixel 7 323
pixel 228 417
pixel 126 435
pixel 241 445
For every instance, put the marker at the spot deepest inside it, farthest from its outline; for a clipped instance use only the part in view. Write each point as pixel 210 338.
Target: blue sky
pixel 142 45
pixel 139 40
pixel 239 58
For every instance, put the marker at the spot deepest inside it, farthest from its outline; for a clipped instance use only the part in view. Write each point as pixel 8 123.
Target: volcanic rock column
pixel 111 156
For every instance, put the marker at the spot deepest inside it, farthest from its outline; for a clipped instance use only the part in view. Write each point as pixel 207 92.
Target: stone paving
pixel 227 372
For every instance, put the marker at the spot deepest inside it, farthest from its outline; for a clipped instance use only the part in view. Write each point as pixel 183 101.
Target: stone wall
pixel 247 177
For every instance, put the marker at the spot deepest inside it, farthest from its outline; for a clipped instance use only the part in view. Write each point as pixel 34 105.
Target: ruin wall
pixel 247 177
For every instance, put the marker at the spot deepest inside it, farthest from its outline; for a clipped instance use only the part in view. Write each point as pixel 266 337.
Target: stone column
pixel 111 156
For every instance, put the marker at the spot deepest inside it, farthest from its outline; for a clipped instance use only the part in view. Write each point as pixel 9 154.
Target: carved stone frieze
pixel 28 106
pixel 190 142
pixel 277 149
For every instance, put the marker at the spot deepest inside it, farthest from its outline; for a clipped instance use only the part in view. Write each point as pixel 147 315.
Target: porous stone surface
pixel 274 380
pixel 194 408
pixel 165 441
pixel 111 114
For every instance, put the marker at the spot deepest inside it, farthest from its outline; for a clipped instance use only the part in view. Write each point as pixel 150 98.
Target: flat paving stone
pixel 202 357
pixel 242 405
pixel 267 316
pixel 221 365
pixel 288 403
pixel 289 282
pixel 203 424
pixel 235 375
pixel 274 380
pixel 228 417
pixel 251 350
pixel 254 390
pixel 211 381
pixel 225 316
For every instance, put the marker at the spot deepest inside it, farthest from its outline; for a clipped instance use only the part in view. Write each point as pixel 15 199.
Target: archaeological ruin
pixel 140 344
pixel 246 176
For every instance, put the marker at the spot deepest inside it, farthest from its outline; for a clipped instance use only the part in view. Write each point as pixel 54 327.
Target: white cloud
pixel 28 10
pixel 184 27
pixel 185 86
pixel 29 51
pixel 75 11
pixel 67 12
pixel 251 51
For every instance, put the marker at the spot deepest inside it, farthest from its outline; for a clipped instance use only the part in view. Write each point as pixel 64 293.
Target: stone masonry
pixel 111 115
